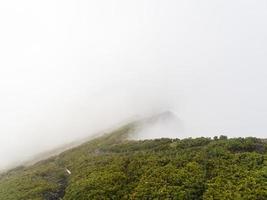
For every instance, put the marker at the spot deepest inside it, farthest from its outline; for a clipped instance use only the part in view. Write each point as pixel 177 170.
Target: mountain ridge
pixel 112 166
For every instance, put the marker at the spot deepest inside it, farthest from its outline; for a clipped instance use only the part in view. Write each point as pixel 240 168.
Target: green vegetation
pixel 112 167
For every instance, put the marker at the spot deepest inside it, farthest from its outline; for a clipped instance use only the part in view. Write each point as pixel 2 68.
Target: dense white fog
pixel 70 68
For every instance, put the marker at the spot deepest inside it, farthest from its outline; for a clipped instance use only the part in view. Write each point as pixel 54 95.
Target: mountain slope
pixel 114 167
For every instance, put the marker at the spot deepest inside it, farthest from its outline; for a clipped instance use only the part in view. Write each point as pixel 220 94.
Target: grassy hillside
pixel 112 167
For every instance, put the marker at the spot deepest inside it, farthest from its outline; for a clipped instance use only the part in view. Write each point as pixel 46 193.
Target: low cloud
pixel 70 69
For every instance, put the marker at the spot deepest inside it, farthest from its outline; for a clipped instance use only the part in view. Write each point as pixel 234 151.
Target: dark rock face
pixel 58 194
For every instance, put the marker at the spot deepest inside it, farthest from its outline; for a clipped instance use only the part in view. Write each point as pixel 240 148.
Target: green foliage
pixel 44 181
pixel 112 167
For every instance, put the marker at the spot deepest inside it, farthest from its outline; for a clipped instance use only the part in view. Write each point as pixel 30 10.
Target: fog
pixel 69 69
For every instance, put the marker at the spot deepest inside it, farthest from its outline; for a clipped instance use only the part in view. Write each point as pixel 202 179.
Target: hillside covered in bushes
pixel 114 167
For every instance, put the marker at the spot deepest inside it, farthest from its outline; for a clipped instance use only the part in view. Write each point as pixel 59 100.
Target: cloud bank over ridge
pixel 72 68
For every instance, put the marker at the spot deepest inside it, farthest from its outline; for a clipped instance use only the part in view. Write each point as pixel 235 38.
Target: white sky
pixel 69 68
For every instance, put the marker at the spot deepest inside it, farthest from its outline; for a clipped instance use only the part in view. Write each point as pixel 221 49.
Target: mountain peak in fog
pixel 166 115
pixel 161 125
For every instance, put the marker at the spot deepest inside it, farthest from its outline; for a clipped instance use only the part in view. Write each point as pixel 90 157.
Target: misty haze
pixel 72 71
